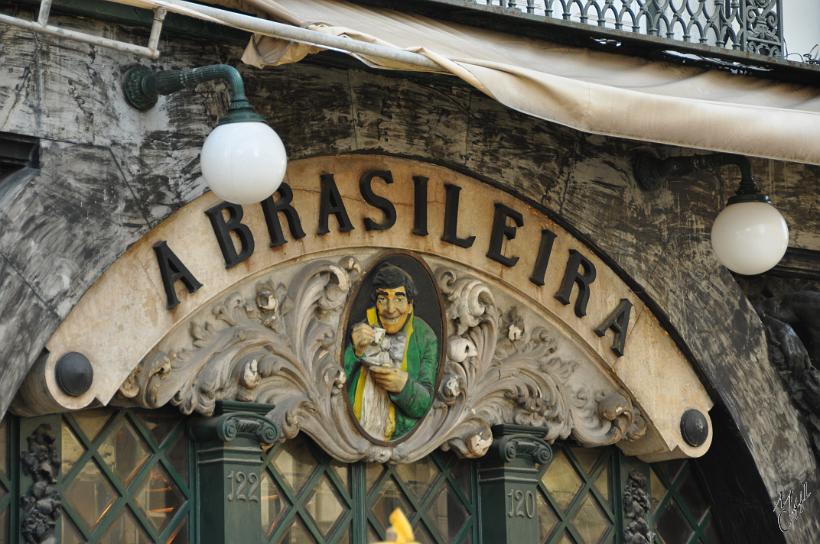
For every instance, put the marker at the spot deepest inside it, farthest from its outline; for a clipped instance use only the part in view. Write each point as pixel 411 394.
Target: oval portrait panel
pixel 393 347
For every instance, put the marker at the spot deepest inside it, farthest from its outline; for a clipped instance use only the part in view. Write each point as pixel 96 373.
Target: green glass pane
pixel 159 497
pixel 672 526
pixel 180 534
pixel 546 518
pixel 371 535
pixel 4 446
pixel 657 490
pixel 669 469
pixel 590 521
pixel 4 525
pixel 344 538
pixel 418 476
pixel 422 535
pixel 295 462
pixel 602 483
pixel 461 471
pixel 342 472
pixel 178 456
pixel 90 494
pixel 586 457
pixel 125 530
pixel 91 422
pixel 324 506
pixel 390 497
pixel 124 451
pixel 69 534
pixel 693 497
pixel 273 503
pixel 710 534
pixel 297 534
pixel 448 514
pixel 561 480
pixel 372 473
pixel 70 450
pixel 159 423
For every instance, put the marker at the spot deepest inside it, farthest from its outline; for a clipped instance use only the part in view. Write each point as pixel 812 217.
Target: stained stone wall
pixel 109 174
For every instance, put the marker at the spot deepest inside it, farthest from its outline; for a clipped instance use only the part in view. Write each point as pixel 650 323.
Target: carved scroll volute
pixel 280 345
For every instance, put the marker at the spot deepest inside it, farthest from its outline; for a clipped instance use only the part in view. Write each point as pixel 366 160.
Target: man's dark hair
pixel 390 276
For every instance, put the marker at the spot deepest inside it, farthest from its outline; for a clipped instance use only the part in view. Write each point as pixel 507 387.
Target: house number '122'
pixel 243 486
pixel 522 504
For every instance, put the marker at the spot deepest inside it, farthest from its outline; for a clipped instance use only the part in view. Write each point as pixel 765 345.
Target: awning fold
pixel 592 91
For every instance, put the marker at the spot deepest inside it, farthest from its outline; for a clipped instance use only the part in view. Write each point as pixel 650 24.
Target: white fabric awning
pixel 595 92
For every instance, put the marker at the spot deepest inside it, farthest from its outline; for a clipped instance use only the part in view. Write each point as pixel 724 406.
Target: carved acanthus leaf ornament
pixel 281 345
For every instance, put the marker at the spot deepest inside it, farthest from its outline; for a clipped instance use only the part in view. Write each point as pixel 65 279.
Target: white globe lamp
pixel 749 236
pixel 243 162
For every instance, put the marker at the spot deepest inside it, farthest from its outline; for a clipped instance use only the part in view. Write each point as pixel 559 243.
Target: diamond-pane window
pixel 91 422
pixel 390 498
pixel 324 506
pixel 124 451
pixel 418 476
pixel 590 521
pixel 273 503
pixel 372 472
pixel 126 530
pixel 657 490
pixel 602 483
pixel 159 423
pixel 448 514
pixel 178 456
pixel 586 457
pixel 297 534
pixel 561 480
pixel 4 445
pixel 90 494
pixel 70 450
pixel 295 462
pixel 546 518
pixel 693 498
pixel 672 526
pixel 69 533
pixel 159 497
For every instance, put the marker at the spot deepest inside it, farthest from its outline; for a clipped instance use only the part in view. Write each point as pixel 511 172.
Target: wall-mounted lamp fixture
pixel 749 236
pixel 243 160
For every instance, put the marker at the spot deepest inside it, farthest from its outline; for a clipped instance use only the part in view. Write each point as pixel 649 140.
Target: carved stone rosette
pixel 281 345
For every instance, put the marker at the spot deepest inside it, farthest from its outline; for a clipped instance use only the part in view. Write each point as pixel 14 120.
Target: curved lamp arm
pixel 651 171
pixel 142 87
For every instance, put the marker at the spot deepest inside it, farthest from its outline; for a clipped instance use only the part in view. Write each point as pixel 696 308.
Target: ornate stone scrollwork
pixel 280 345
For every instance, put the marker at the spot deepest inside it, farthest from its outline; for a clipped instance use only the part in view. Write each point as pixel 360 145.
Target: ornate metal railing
pixel 747 25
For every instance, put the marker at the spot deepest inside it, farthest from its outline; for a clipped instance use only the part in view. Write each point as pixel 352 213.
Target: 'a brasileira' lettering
pixel 236 241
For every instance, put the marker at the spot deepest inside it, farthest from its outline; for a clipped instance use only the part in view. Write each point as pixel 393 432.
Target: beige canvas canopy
pixel 596 92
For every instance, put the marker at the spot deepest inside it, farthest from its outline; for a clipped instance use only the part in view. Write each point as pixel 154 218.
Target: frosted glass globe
pixel 243 163
pixel 749 237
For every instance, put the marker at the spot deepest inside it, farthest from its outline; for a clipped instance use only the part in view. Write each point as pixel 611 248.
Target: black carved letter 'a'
pixel 172 270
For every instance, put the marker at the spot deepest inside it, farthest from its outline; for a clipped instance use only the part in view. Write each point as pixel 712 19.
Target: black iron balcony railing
pixel 754 26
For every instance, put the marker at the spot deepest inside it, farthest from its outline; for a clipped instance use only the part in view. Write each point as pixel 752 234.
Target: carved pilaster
pixel 508 478
pixel 636 510
pixel 40 505
pixel 230 465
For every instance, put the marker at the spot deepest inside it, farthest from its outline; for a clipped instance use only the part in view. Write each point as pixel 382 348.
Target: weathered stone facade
pixel 109 174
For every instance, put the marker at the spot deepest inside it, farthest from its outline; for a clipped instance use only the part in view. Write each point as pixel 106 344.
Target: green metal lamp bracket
pixel 142 87
pixel 651 171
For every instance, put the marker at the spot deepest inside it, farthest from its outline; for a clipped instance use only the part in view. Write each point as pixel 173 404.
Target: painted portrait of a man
pixel 391 358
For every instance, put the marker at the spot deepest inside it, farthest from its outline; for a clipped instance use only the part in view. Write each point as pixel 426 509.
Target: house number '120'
pixel 243 486
pixel 522 504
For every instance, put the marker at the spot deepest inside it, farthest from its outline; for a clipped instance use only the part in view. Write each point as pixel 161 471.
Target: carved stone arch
pixel 266 330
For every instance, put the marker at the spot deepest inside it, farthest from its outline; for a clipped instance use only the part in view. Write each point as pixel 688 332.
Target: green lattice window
pixel 575 504
pixel 307 498
pixel 680 512
pixel 125 477
pixel 437 494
